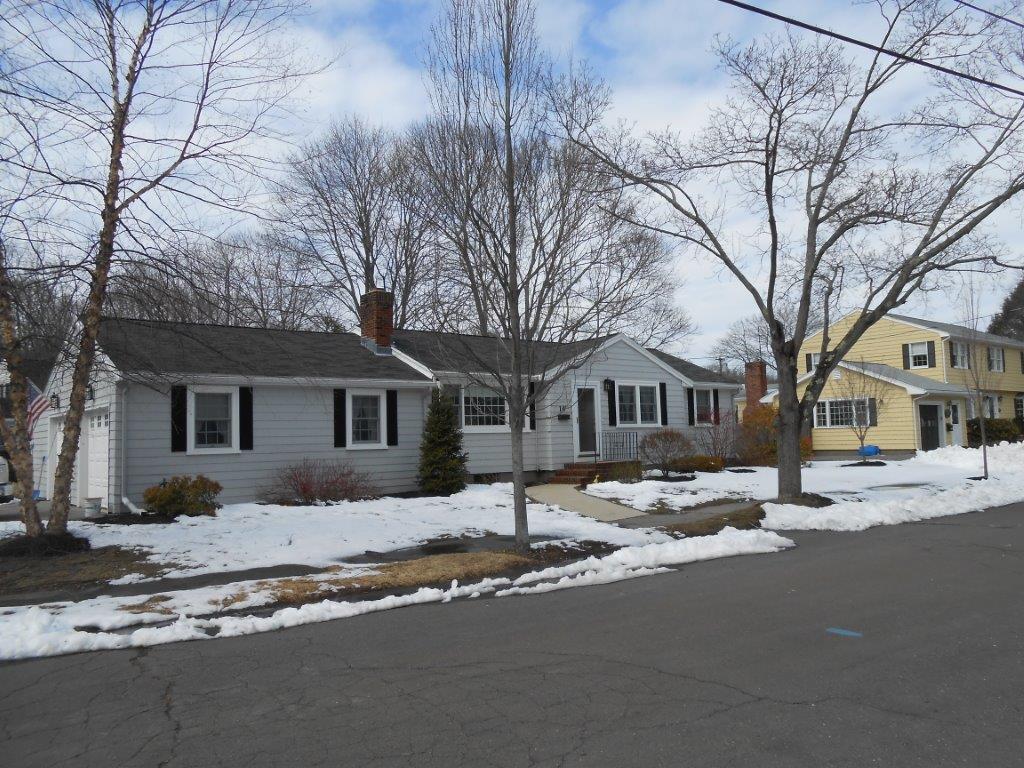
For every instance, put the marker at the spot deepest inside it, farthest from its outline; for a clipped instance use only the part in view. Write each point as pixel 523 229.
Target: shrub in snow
pixel 758 436
pixel 662 448
pixel 626 472
pixel 996 431
pixel 183 495
pixel 719 438
pixel 699 463
pixel 442 469
pixel 312 480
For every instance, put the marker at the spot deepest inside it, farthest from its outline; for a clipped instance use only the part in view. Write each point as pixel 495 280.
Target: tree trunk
pixel 519 482
pixel 788 441
pixel 984 438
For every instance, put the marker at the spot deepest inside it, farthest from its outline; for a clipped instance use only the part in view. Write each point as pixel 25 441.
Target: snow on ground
pixel 924 475
pixel 245 536
pixel 48 630
pixel 959 495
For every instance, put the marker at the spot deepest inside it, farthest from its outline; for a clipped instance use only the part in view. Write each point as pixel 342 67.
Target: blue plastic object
pixel 869 450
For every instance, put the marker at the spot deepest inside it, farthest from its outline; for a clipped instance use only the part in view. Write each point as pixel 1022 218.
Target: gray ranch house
pixel 239 404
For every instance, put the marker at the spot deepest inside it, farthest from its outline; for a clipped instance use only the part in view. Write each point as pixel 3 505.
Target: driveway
pixel 724 663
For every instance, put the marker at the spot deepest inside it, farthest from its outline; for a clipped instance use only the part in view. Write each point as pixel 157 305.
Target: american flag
pixel 37 405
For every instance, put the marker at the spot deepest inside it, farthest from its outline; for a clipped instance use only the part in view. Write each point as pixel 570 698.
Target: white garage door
pixel 98 435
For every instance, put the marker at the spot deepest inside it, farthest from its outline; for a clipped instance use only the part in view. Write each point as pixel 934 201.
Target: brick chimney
pixel 755 382
pixel 377 317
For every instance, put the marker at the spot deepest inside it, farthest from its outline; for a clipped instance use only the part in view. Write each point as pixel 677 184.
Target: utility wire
pixel 987 12
pixel 871 46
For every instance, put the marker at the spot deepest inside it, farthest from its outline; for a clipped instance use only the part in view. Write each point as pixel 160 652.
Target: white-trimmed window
pixel 996 359
pixel 990 406
pixel 959 354
pixel 840 413
pixel 638 404
pixel 367 419
pixel 483 410
pixel 212 419
pixel 815 359
pixel 703 406
pixel 918 351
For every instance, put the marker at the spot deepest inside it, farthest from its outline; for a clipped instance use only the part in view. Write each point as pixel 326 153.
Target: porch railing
pixel 619 446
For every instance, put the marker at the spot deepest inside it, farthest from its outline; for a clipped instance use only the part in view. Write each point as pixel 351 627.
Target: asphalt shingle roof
pixel 467 353
pixel 693 371
pixel 960 331
pixel 157 347
pixel 908 378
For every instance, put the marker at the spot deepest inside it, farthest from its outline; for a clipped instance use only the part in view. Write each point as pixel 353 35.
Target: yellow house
pixel 909 381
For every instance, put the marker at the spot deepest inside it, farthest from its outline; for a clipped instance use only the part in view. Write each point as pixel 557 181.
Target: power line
pixel 987 12
pixel 870 46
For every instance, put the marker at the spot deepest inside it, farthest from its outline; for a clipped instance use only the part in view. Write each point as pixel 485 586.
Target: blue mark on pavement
pixel 843 632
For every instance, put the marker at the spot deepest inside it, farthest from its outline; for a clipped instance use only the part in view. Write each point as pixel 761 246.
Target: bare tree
pixel 978 376
pixel 123 116
pixel 354 200
pixel 533 237
pixel 748 339
pixel 866 395
pixel 858 204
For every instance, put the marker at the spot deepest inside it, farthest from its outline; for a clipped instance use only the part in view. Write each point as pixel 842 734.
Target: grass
pixel 421 572
pixel 73 571
pixel 741 519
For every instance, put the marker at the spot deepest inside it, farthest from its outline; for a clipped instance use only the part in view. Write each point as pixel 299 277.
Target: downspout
pixel 122 459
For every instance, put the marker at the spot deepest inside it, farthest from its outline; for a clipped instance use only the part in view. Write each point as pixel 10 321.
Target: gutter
pixel 123 458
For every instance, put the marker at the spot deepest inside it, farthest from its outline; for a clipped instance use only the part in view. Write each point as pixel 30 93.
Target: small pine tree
pixel 1010 319
pixel 442 468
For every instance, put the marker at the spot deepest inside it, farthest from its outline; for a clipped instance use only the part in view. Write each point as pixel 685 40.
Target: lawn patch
pixel 73 571
pixel 741 519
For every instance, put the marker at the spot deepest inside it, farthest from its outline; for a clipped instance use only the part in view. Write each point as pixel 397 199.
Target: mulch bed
pixel 20 574
pixel 873 463
pixel 127 518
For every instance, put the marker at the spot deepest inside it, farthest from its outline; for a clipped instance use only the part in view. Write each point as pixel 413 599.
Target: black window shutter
pixel 179 419
pixel 808 365
pixel 533 406
pixel 691 415
pixel 613 407
pixel 392 409
pixel 1022 361
pixel 715 412
pixel 245 418
pixel 906 357
pixel 931 354
pixel 872 412
pixel 663 396
pixel 339 418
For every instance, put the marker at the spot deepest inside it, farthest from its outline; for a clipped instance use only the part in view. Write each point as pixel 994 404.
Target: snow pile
pixel 46 631
pixel 245 536
pixel 1002 458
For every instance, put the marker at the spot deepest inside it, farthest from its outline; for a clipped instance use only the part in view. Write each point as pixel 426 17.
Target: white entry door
pixel 98 436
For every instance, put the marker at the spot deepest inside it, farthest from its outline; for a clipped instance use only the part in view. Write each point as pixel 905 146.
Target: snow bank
pixel 46 631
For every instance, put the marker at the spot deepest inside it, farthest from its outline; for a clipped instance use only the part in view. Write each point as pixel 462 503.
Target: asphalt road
pixel 726 663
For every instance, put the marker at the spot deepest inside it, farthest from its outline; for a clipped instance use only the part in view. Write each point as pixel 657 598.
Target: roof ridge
pixel 149 321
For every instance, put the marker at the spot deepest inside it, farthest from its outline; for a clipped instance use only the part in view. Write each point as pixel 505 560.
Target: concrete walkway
pixel 567 497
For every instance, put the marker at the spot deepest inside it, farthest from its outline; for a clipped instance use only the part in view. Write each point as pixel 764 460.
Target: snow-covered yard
pixel 243 536
pixel 249 535
pixel 931 484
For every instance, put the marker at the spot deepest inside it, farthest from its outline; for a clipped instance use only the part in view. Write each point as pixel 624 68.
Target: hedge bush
pixel 662 448
pixel 699 463
pixel 759 434
pixel 996 431
pixel 183 496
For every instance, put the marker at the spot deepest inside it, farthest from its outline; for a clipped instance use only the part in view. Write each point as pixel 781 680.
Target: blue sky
pixel 655 54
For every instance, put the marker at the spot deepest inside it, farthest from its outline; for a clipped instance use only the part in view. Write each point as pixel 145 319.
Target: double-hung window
pixel 919 354
pixel 483 409
pixel 638 404
pixel 996 359
pixel 959 355
pixel 213 419
pixel 367 412
pixel 704 406
pixel 840 413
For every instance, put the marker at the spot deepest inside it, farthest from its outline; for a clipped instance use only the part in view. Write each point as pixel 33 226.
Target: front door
pixel 931 437
pixel 586 420
pixel 954 419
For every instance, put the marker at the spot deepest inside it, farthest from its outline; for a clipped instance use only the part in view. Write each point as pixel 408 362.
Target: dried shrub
pixel 719 439
pixel 662 448
pixel 699 463
pixel 626 472
pixel 319 480
pixel 758 437
pixel 183 496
